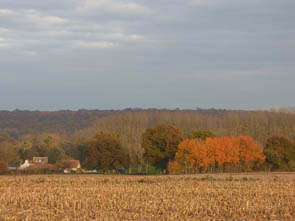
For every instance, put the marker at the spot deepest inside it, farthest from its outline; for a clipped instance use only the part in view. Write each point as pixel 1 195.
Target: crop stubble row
pixel 145 198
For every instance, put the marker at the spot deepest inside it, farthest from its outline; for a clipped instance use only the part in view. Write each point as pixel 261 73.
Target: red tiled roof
pixel 70 163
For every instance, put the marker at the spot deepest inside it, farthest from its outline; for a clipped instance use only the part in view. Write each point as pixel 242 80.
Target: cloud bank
pixel 129 53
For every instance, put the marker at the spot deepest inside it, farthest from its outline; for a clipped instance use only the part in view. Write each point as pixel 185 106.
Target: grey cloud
pixel 167 53
pixel 114 7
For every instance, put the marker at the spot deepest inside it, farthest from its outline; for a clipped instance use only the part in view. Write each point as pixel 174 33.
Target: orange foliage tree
pixel 217 154
pixel 251 153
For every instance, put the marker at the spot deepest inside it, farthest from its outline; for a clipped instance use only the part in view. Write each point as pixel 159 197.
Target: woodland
pixel 175 141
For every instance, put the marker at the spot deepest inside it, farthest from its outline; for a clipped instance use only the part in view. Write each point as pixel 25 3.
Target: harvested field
pixel 257 196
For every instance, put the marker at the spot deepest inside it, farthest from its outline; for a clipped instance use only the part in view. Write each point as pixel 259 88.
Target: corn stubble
pixel 146 198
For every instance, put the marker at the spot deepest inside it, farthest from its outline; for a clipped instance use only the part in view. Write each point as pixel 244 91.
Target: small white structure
pixel 25 165
pixel 89 171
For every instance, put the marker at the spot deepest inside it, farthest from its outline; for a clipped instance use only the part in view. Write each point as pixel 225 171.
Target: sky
pixel 116 54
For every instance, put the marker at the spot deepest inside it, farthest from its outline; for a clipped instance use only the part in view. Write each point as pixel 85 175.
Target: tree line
pixel 128 126
pixel 203 151
pixel 164 147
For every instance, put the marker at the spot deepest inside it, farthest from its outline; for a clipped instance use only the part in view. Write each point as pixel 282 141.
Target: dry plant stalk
pixel 191 197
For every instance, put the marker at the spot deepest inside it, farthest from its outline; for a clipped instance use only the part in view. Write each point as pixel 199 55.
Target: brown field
pixel 254 196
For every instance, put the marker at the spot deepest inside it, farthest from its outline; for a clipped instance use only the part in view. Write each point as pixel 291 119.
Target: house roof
pixel 71 163
pixel 41 158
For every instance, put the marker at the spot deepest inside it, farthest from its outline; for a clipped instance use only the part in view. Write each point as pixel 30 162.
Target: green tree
pixel 105 152
pixel 75 151
pixel 55 155
pixel 280 153
pixel 9 151
pixel 48 145
pixel 25 144
pixel 160 144
pixel 201 134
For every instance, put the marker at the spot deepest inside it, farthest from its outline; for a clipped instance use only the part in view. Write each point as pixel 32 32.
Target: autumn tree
pixel 225 154
pixel 129 127
pixel 8 151
pixel 191 156
pixel 251 152
pixel 105 152
pixel 280 153
pixel 160 144
pixel 25 145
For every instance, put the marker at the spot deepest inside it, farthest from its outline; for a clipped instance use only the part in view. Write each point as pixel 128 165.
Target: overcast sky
pixel 114 54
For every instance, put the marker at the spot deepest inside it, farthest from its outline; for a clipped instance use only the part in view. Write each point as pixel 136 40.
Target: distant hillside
pixel 18 122
pixel 258 124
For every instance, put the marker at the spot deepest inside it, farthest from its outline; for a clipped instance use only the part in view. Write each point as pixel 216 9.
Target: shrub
pixel 3 168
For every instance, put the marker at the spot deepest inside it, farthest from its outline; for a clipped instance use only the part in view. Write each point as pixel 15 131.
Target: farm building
pixel 71 165
pixel 35 161
pixel 40 160
pixel 39 163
